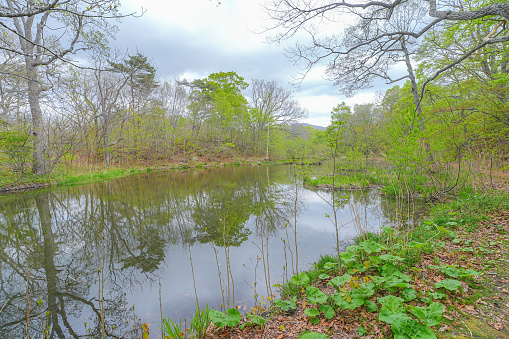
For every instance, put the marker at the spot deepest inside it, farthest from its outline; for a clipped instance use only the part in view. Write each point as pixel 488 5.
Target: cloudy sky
pixel 194 38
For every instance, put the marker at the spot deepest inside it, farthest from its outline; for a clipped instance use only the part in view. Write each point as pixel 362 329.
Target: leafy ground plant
pixel 231 318
pixel 383 293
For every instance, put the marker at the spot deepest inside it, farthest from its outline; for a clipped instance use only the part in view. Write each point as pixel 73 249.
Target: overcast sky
pixel 194 38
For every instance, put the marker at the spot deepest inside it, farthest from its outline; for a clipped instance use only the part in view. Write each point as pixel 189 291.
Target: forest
pixel 58 118
pixel 404 198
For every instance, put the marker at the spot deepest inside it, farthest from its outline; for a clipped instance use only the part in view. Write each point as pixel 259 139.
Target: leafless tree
pixel 48 32
pixel 293 16
pixel 274 106
pixel 37 7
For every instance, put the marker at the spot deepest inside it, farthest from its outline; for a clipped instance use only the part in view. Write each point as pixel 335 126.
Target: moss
pixel 481 329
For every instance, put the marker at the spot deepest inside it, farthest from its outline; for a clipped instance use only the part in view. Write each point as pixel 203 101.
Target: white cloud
pixel 193 38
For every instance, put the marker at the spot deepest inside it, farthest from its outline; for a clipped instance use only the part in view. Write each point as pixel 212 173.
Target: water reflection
pixel 228 232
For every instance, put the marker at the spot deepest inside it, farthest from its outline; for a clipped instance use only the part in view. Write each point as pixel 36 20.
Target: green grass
pixel 95 176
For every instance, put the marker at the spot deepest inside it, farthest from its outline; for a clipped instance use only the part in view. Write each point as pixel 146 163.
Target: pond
pixel 127 249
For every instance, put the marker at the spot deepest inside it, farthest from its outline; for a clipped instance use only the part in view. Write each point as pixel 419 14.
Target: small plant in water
pixel 172 329
pixel 201 321
pixel 199 324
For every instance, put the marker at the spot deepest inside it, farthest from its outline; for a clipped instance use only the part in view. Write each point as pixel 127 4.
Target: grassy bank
pixel 68 176
pixel 446 277
pixel 401 182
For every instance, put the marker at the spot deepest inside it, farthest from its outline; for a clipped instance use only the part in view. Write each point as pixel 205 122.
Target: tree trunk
pixel 268 141
pixel 34 91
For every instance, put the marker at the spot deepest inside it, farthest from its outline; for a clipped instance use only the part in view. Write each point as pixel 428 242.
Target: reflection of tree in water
pixel 127 222
pixel 220 216
pixel 58 289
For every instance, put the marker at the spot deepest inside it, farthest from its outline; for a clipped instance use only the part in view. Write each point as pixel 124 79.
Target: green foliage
pixel 328 311
pixel 456 272
pixel 431 315
pixel 338 282
pixel 286 304
pixel 302 279
pixel 361 331
pixel 355 297
pixel 313 335
pixel 200 321
pixel 173 329
pixel 449 284
pixel 315 296
pixel 231 318
pixel 311 312
pixel 408 328
pixel 16 145
pixel 408 294
pixel 392 309
pixel 253 320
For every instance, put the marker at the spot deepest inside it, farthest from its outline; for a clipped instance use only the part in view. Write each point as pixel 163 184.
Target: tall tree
pixel 51 32
pixel 292 16
pixel 218 99
pixel 274 106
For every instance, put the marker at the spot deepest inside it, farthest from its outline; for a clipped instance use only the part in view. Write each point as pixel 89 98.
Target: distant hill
pixel 314 126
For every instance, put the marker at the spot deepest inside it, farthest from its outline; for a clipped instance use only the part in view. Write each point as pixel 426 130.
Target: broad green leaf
pixel 450 284
pixel 451 271
pixel 343 302
pixel 390 257
pixel 408 328
pixel 409 294
pixel 392 308
pixel 347 257
pixel 327 311
pixel 370 306
pixel 370 246
pixel 314 335
pixel 311 312
pixel 434 314
pixel 314 320
pixel 340 281
pixel 378 281
pixel 469 273
pixel 402 276
pixel 415 245
pixel 330 265
pixel 364 291
pixel 394 282
pixel 419 312
pixel 388 270
pixel 218 318
pixel 375 259
pixel 258 320
pixel 286 305
pixel 231 318
pixel 300 280
pixel 438 295
pixel 324 276
pixel 315 296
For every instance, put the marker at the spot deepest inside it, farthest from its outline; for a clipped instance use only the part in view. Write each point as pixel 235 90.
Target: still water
pixel 131 247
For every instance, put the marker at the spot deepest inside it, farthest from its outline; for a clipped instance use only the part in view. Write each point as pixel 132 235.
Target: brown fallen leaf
pixel 497 326
pixel 444 328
